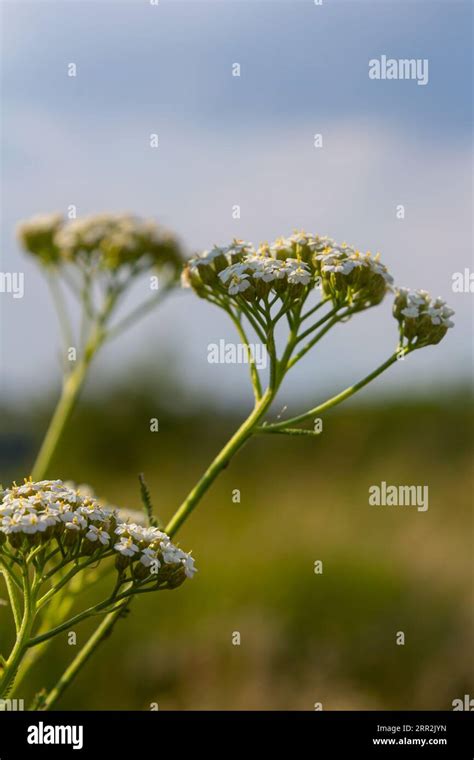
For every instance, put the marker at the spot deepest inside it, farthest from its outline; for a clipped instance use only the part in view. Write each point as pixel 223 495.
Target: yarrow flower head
pixel 423 321
pixel 289 268
pixel 95 260
pixel 51 513
pixel 38 234
pixel 311 282
pixel 108 242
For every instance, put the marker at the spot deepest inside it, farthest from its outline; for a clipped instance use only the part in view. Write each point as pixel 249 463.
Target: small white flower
pixel 93 512
pixel 440 315
pixel 411 312
pixel 50 517
pixel 281 245
pixel 171 553
pixel 149 558
pixel 239 247
pixel 98 534
pixel 257 261
pixel 418 297
pixel 335 265
pixel 74 524
pixel 234 270
pixel 271 269
pixel 136 531
pixel 148 535
pixel 73 520
pixel 32 523
pixel 238 284
pixel 42 222
pixel 207 257
pixel 300 237
pixel 321 244
pixel 126 547
pixel 189 568
pixel 298 272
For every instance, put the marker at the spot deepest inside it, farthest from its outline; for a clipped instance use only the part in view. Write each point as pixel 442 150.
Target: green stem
pixel 101 632
pixel 71 388
pixel 279 426
pixel 220 462
pixel 319 305
pixel 12 593
pixel 94 610
pixel 62 606
pixel 60 306
pixel 254 376
pixel 314 340
pixel 254 319
pixel 248 427
pixel 286 431
pixel 317 324
pixel 105 627
pixel 78 567
pixel 21 644
pixel 69 394
pixel 140 311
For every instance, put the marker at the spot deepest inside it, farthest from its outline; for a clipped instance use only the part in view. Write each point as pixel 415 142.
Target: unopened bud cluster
pixel 51 512
pixel 106 241
pixel 423 321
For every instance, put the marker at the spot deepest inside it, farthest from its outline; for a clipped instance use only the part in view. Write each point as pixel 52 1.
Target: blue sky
pixel 247 140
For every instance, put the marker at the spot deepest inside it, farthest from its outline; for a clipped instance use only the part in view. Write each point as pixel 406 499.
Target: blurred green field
pixel 305 638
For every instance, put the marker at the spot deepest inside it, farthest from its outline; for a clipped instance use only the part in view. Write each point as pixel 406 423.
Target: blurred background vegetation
pixel 305 638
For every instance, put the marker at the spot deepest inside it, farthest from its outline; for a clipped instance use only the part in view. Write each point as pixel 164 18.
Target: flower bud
pixel 191 278
pixel 37 236
pixel 16 540
pixel 176 578
pixel 140 572
pixel 422 321
pixel 121 562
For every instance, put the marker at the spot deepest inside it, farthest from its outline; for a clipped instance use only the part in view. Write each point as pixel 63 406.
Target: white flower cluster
pixel 261 266
pixel 419 302
pixel 121 231
pixel 107 240
pixel 40 224
pixel 241 268
pixel 36 512
pixel 344 260
pixel 289 265
pixel 421 318
pixel 37 236
pixel 151 547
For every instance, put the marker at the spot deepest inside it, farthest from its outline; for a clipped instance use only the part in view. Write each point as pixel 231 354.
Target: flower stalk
pixel 97 258
pixel 53 538
pixel 41 521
